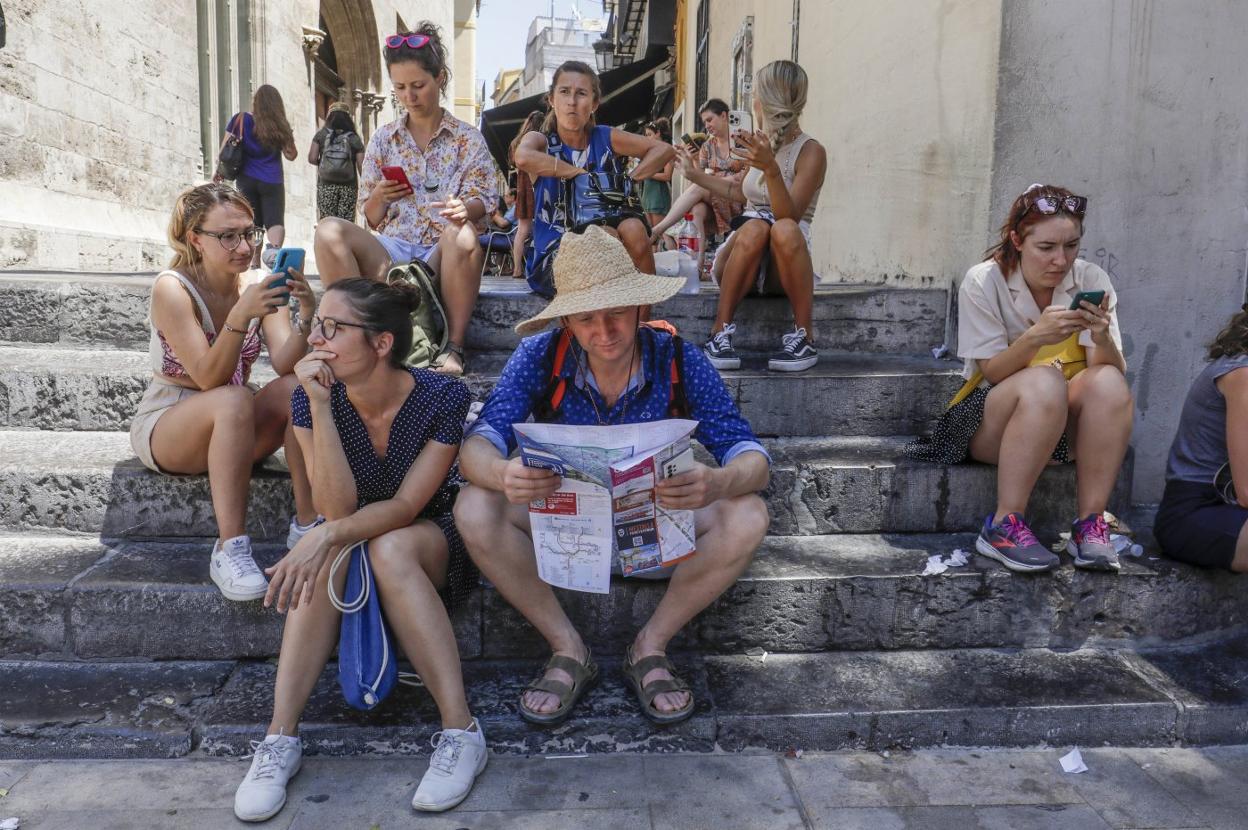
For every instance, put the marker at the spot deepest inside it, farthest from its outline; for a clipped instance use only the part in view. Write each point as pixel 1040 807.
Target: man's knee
pixel 479 516
pixel 459 241
pixel 743 522
pixel 330 231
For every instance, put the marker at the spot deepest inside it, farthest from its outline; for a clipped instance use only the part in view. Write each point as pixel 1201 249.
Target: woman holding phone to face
pixel 769 249
pixel 427 185
pixel 1045 380
pixel 200 413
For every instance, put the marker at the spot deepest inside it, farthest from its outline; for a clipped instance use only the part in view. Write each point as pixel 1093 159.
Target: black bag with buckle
pixel 230 159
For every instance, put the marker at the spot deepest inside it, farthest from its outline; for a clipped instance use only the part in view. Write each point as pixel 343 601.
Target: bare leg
pixel 1099 429
pixel 410 565
pixel 791 259
pixel 748 244
pixel 498 538
pixel 344 249
pixel 213 431
pixel 308 639
pixel 1240 563
pixel 729 531
pixel 524 227
pixel 276 235
pixel 692 195
pixel 1024 417
pixel 273 430
pixel 458 261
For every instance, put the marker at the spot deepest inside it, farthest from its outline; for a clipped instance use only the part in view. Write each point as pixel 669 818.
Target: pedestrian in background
pixel 656 191
pixel 266 137
pixel 524 194
pixel 338 153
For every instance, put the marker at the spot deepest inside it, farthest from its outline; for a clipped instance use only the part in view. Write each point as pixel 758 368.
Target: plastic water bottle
pixel 690 244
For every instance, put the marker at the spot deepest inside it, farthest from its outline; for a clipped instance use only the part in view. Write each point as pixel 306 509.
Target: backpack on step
pixel 429 330
pixel 337 165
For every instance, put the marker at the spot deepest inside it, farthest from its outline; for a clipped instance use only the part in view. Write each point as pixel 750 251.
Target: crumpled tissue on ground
pixel 1072 762
pixel 937 564
pixel 9 824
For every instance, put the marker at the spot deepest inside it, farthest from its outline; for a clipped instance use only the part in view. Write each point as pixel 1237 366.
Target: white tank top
pixel 755 185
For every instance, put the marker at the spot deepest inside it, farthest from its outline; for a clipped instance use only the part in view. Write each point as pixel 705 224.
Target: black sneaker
pixel 719 349
pixel 796 353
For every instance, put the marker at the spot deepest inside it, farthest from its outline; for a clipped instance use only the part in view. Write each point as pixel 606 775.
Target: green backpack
pixel 429 330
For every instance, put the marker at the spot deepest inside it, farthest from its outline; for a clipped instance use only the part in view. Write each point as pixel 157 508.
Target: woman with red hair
pixel 1046 382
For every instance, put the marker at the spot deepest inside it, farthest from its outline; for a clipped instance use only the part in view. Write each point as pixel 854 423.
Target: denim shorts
pixel 401 251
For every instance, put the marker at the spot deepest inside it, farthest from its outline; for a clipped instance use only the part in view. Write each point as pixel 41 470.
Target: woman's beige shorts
pixel 159 398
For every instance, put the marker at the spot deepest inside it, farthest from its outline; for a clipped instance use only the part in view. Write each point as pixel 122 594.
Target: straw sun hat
pixel 593 271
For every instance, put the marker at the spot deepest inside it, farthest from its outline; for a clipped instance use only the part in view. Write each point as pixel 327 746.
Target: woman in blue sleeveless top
pixel 570 145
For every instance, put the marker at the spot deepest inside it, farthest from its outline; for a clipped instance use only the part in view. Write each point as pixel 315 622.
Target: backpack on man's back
pixel 337 165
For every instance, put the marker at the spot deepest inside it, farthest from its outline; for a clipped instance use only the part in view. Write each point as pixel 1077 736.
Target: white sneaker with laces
pixel 274 762
pixel 298 531
pixel 459 755
pixel 235 571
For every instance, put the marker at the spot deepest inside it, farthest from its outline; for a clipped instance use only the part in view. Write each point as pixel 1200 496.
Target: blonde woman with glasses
pixel 201 413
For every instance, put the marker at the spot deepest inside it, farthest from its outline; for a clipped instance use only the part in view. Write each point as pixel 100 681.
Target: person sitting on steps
pixel 617 371
pixel 200 413
pixel 1045 383
pixel 1203 515
pixel 380 442
pixel 769 250
pixel 570 144
pixel 455 181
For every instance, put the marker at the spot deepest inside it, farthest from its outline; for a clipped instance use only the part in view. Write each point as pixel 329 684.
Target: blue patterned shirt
pixel 721 428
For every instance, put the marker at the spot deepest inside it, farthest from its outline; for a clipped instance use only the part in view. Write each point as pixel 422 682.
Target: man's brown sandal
pixel 634 672
pixel 584 677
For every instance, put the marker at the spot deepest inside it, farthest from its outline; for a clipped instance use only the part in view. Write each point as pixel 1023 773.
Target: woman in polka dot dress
pixel 381 442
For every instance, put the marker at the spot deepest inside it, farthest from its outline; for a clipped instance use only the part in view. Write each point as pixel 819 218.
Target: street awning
pixel 627 94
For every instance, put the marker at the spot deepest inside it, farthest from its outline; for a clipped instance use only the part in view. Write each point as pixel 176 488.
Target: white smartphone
pixel 739 121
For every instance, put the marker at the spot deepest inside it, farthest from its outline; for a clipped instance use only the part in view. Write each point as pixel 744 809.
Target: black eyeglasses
pixel 329 326
pixel 230 240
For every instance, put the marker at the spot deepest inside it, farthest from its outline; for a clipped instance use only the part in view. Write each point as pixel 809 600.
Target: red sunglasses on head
pixel 414 41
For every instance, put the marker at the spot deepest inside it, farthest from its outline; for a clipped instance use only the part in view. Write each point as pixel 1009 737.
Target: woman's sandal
pixel 584 677
pixel 438 364
pixel 634 672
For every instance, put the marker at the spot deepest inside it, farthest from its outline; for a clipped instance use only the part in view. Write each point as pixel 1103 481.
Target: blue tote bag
pixel 367 670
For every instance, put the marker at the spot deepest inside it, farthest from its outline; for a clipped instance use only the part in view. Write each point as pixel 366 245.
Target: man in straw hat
pixel 617 371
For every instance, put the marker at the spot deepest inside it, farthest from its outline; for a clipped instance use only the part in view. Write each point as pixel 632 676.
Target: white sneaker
pixel 298 531
pixel 263 792
pixel 235 571
pixel 459 755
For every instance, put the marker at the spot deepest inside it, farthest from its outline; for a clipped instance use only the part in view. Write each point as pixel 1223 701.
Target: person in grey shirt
pixel 1205 506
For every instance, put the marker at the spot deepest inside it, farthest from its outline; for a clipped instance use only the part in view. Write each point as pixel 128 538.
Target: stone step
pixel 111 310
pixel 841 700
pixel 855 394
pixel 90 482
pixel 79 598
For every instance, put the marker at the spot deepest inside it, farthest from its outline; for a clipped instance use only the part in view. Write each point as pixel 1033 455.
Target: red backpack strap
pixel 552 397
pixel 677 401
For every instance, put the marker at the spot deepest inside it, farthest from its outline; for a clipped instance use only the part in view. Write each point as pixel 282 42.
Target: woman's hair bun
pixel 406 295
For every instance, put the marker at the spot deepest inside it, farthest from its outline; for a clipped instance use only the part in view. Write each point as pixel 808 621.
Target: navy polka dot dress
pixel 434 410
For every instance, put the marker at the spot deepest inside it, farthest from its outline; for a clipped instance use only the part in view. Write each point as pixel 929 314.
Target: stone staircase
pixel 113 641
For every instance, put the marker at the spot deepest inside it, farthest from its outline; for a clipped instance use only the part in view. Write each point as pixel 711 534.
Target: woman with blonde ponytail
pixel 200 413
pixel 768 251
pixel 1204 511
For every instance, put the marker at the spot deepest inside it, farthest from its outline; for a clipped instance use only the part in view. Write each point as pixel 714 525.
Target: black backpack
pixel 337 164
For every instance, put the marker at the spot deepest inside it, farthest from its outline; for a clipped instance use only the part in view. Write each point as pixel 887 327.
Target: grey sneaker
pixel 1090 545
pixel 719 348
pixel 269 255
pixel 1014 545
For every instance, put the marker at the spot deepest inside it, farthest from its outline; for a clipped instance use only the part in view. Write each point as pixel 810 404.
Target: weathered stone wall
pixel 1140 106
pixel 100 121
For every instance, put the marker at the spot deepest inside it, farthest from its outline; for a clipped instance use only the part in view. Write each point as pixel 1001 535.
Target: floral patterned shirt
pixel 456 163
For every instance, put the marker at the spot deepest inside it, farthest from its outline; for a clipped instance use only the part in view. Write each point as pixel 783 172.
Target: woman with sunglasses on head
pixel 200 413
pixel 769 250
pixel 453 186
pixel 1204 510
pixel 1045 380
pixel 570 144
pixel 381 442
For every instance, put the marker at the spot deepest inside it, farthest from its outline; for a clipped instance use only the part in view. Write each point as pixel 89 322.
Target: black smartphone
pixel 1093 297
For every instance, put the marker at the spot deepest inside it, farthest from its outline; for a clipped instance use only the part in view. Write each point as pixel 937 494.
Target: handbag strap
pixel 365 571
